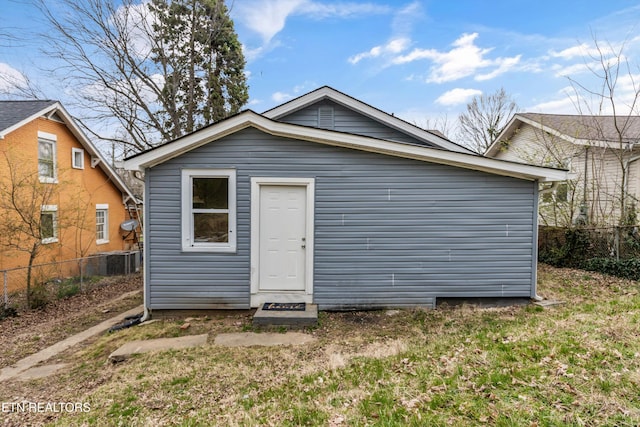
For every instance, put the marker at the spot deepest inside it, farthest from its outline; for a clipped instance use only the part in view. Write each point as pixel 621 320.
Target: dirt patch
pixel 34 330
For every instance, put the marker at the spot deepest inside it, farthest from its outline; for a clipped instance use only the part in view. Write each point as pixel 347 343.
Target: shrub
pixel 574 245
pixel 625 268
pixel 8 312
pixel 38 296
pixel 68 288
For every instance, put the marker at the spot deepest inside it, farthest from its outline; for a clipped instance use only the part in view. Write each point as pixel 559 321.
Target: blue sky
pixel 421 60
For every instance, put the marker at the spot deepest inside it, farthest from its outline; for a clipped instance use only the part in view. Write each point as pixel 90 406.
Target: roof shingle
pixel 13 112
pixel 592 128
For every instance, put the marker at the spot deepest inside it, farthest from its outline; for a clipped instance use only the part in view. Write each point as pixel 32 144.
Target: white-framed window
pixel 49 223
pixel 47 157
pixel 209 210
pixel 102 224
pixel 77 158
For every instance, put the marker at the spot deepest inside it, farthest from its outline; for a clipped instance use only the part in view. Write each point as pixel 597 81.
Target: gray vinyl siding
pixel 350 121
pixel 389 232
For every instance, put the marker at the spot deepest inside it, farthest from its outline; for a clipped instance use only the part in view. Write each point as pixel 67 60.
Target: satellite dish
pixel 129 225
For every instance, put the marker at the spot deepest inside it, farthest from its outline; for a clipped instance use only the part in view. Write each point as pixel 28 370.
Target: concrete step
pixel 308 317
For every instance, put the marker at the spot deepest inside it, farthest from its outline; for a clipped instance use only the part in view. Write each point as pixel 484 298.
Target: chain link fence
pixel 575 247
pixel 62 279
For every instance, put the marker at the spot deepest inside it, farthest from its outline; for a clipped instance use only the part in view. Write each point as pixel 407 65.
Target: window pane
pixel 46 225
pixel 45 159
pixel 45 150
pixel 45 169
pixel 211 227
pixel 100 224
pixel 77 159
pixel 211 193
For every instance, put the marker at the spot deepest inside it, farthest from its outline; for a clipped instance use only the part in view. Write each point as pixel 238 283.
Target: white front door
pixel 282 237
pixel 281 240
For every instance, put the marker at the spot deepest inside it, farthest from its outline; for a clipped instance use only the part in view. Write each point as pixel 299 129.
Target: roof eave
pixel 45 111
pixel 250 119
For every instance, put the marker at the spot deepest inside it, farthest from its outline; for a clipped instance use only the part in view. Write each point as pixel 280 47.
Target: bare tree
pixel 484 119
pixel 25 224
pixel 15 84
pixel 160 69
pixel 441 125
pixel 610 113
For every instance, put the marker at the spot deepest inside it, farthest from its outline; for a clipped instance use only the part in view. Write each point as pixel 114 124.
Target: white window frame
pixel 53 210
pixel 188 244
pixel 48 138
pixel 103 208
pixel 74 164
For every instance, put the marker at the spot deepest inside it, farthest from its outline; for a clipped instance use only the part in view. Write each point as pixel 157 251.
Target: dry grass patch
pixel 574 364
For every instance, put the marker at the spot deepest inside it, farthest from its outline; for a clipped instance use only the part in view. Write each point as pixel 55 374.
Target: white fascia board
pixel 44 112
pixel 365 109
pixel 507 131
pixel 191 141
pixel 338 139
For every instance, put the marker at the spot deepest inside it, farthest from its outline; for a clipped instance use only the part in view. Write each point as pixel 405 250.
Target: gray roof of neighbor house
pixel 595 128
pixel 578 129
pixel 14 112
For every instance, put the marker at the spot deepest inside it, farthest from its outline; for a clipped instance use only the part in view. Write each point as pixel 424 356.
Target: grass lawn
pixel 573 364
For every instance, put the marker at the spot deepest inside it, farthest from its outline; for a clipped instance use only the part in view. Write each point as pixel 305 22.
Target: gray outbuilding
pixel 330 201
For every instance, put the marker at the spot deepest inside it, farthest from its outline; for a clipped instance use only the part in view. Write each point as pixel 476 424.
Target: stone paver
pixel 158 344
pixel 40 371
pixel 247 339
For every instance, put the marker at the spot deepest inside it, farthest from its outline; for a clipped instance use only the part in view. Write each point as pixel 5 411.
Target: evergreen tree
pixel 204 79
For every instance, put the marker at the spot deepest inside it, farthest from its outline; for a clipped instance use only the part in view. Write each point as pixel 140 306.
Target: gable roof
pixel 250 119
pixel 326 92
pixel 577 129
pixel 15 114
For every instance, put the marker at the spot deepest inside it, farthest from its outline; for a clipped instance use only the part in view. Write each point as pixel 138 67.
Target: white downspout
pixel 147 313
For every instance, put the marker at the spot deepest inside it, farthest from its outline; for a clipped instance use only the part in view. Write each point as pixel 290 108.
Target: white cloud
pixel 582 50
pixel 268 17
pixel 463 60
pixel 563 103
pixel 557 106
pixel 457 96
pixel 404 19
pixel 504 65
pixel 321 10
pixel 138 21
pixel 394 46
pixel 570 70
pixel 11 79
pixel 281 97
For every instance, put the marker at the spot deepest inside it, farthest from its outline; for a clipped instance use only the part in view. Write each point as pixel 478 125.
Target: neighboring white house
pixel 602 153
